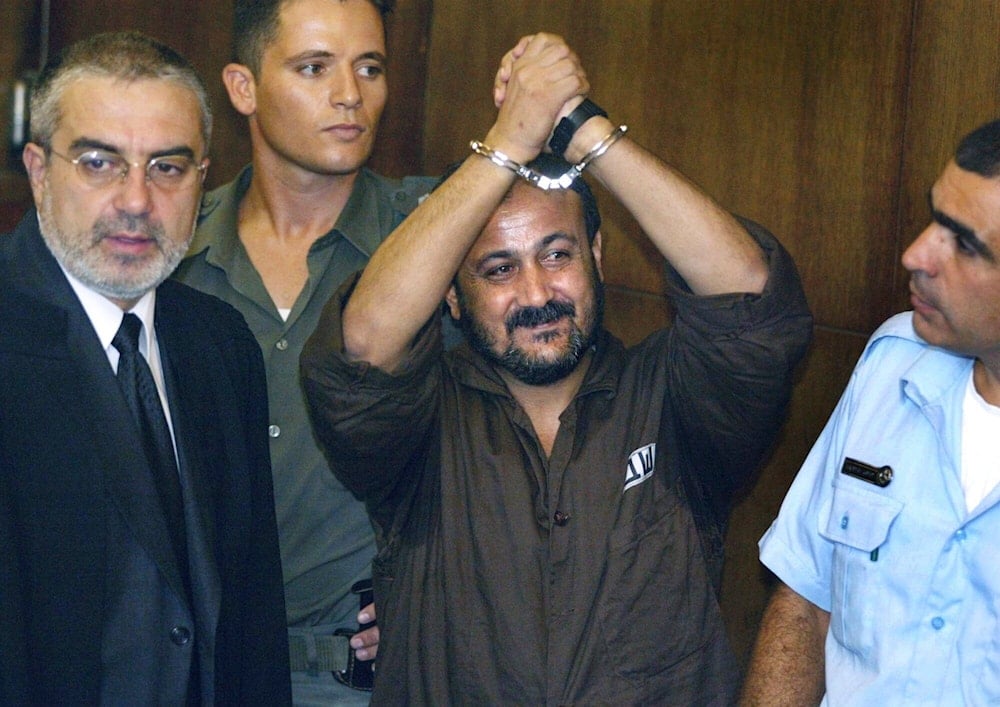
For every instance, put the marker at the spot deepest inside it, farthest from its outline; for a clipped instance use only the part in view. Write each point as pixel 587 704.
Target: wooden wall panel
pixel 400 147
pixel 201 31
pixel 18 53
pixel 632 316
pixel 954 87
pixel 825 120
pixel 789 113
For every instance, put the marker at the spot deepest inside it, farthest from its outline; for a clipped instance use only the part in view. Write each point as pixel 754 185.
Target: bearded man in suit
pixel 120 584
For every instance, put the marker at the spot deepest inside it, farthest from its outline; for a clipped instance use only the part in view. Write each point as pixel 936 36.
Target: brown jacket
pixel 589 577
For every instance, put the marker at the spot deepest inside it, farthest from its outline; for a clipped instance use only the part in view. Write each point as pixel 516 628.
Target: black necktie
pixel 140 390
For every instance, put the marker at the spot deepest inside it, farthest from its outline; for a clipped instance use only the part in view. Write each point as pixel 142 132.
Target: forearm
pixel 409 274
pixel 702 241
pixel 407 277
pixel 788 663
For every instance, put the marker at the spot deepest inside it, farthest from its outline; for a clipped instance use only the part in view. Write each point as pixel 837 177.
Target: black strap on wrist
pixel 568 126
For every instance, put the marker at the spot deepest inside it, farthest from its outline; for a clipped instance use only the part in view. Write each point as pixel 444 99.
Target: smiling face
pixel 954 266
pixel 529 295
pixel 321 89
pixel 124 238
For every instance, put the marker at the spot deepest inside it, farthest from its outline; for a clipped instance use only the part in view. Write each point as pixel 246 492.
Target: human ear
pixel 241 87
pixel 451 299
pixel 35 163
pixel 595 248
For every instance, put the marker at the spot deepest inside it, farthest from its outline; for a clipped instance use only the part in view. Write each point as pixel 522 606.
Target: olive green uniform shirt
pixel 326 539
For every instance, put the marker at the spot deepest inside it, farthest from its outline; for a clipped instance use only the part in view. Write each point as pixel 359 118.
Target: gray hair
pixel 128 56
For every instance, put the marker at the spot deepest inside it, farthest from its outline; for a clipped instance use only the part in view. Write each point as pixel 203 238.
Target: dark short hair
pixel 551 166
pixel 127 56
pixel 255 26
pixel 979 151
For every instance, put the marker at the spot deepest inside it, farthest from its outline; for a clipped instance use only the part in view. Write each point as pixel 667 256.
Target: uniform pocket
pixel 859 524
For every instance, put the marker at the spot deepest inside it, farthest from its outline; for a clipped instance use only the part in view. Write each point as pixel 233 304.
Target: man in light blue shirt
pixel 886 544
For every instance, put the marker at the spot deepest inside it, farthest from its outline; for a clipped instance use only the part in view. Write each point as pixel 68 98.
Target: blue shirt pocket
pixel 858 525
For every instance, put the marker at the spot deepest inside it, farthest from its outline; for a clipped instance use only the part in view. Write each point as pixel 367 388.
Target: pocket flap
pixel 859 518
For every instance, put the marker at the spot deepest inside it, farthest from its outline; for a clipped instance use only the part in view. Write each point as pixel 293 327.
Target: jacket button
pixel 561 518
pixel 180 636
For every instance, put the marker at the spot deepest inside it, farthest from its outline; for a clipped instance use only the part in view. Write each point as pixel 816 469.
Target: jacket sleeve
pixel 251 636
pixel 373 427
pixel 732 358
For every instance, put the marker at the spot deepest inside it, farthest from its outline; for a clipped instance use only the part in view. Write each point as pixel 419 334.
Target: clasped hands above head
pixel 539 81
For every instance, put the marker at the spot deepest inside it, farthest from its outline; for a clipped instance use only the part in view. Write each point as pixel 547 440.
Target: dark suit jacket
pixel 85 569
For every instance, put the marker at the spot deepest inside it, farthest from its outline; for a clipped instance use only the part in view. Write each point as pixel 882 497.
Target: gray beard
pixel 120 278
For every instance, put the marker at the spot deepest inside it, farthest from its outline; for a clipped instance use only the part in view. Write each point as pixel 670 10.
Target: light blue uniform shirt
pixel 910 578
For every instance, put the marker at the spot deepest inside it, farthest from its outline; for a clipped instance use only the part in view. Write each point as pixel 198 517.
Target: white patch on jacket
pixel 641 464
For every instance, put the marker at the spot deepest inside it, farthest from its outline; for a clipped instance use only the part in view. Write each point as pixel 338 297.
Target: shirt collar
pixel 361 223
pixel 934 373
pixel 365 217
pixel 106 316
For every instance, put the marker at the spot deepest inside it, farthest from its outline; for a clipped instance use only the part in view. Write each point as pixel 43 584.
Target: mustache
pixel 132 223
pixel 534 316
pixel 916 288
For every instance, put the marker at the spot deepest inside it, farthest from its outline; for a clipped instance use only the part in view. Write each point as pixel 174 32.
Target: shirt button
pixel 179 636
pixel 561 518
pixel 938 623
pixel 843 523
pixel 960 534
pixel 274 431
pixel 281 344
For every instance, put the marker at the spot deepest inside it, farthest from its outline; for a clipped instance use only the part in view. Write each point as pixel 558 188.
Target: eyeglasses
pixel 100 168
